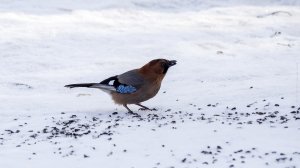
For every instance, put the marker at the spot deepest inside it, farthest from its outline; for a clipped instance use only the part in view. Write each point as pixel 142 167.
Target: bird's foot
pixel 134 114
pixel 144 109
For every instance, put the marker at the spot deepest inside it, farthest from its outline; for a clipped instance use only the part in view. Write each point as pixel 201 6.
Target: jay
pixel 134 86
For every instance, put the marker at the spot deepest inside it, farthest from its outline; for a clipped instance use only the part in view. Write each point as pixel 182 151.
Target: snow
pixel 231 54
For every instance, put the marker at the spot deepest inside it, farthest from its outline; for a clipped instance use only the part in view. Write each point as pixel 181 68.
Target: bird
pixel 134 86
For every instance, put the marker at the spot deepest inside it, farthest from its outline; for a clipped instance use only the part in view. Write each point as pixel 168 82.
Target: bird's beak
pixel 172 63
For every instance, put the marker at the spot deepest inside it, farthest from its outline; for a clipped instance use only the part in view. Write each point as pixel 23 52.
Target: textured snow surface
pixel 233 99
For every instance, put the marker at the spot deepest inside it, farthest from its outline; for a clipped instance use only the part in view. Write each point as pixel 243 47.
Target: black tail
pixel 80 85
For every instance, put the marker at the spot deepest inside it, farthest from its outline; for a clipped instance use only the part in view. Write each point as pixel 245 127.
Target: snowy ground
pixel 233 99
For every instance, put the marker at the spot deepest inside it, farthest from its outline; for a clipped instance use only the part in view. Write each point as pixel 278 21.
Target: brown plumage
pixel 140 84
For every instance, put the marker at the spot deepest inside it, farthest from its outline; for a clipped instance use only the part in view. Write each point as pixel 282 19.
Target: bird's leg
pixel 129 111
pixel 144 107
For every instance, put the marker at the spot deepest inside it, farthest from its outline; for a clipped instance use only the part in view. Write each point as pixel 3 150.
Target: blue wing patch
pixel 125 89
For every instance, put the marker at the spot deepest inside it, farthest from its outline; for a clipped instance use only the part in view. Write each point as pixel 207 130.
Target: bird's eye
pixel 163 64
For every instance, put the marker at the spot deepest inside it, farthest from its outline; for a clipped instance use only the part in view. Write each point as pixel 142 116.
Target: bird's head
pixel 158 66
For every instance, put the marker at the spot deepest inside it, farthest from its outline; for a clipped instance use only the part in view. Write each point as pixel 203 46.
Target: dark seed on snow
pixel 238 151
pixel 9 131
pixel 281 159
pixel 73 116
pixel 206 152
pixel 260 113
